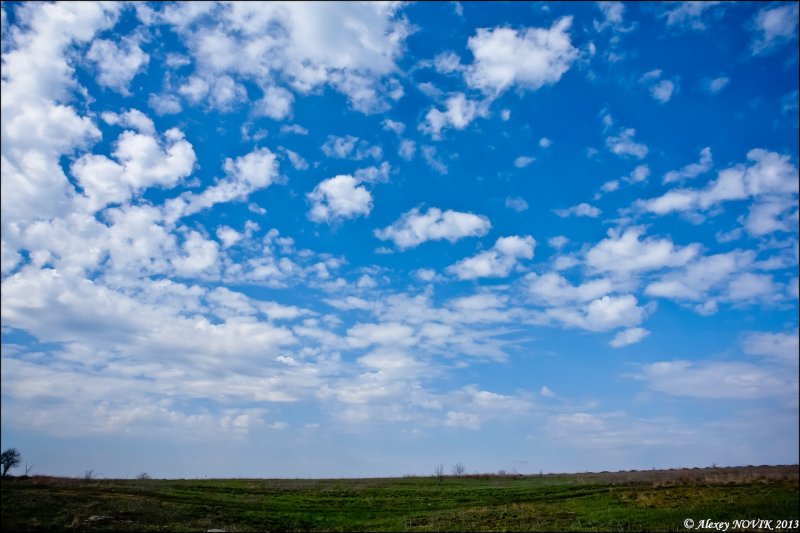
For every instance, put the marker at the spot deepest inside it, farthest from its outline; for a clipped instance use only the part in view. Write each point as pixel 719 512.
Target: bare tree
pixel 28 469
pixel 459 469
pixel 9 459
pixel 88 475
pixel 439 471
pixel 143 475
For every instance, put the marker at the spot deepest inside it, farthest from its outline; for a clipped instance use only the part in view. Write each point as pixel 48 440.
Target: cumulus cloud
pixel 714 379
pixel 602 314
pixel 275 104
pixel 350 147
pixel 528 58
pixel 253 171
pixel 660 89
pixel 140 161
pixel 628 336
pixel 552 288
pixel 715 85
pixel 612 15
pixel 697 279
pixel 623 144
pixel 580 210
pixel 691 170
pixel 338 198
pixel 516 203
pixel 627 252
pixel 117 65
pixel 769 178
pixel 407 149
pixel 433 161
pixel 688 15
pixel 133 118
pixel 773 27
pixel 414 227
pixel 778 346
pixel 498 262
pixel 458 113
pixel 296 42
pixel 165 104
pixel 523 161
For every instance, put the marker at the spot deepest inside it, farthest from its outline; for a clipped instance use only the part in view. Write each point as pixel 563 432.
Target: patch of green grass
pixel 653 501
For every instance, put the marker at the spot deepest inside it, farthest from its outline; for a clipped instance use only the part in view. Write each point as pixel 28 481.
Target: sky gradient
pixel 345 239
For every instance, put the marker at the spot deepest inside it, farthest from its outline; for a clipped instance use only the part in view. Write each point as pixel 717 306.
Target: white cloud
pixel 769 174
pixel 623 144
pixel 338 198
pixel 505 114
pixel 626 252
pixel 199 255
pixel 164 104
pixel 660 89
pixel 497 262
pixel 612 15
pixel 602 314
pixel 379 174
pixel 546 392
pixel 516 203
pixel 774 27
pixel 713 379
pixel 275 104
pixel 749 286
pixel 715 85
pixel 392 125
pixel 557 242
pixel 407 149
pixel 544 142
pixel 458 113
pixel 222 93
pixel 117 65
pixel 447 62
pixel 465 420
pixel 351 47
pixel 523 161
pixel 297 161
pixel 771 214
pixel 638 175
pixel 553 289
pixel 580 210
pixel 413 227
pixel 610 186
pixel 339 147
pixel 691 170
pixel 228 236
pixel 628 336
pixel 777 346
pixel 37 128
pixel 429 154
pixel 133 118
pixel 297 129
pixel 688 14
pixel 425 274
pixel 529 58
pixel 390 333
pixel 255 170
pixel 701 276
pixel 350 147
pixel 140 161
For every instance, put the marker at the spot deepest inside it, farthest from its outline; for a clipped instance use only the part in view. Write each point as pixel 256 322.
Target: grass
pixel 658 500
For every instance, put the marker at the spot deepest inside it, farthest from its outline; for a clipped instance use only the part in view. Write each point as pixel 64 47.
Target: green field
pixel 656 500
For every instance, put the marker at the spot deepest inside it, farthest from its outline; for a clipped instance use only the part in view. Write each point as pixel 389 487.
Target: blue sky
pixel 344 239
